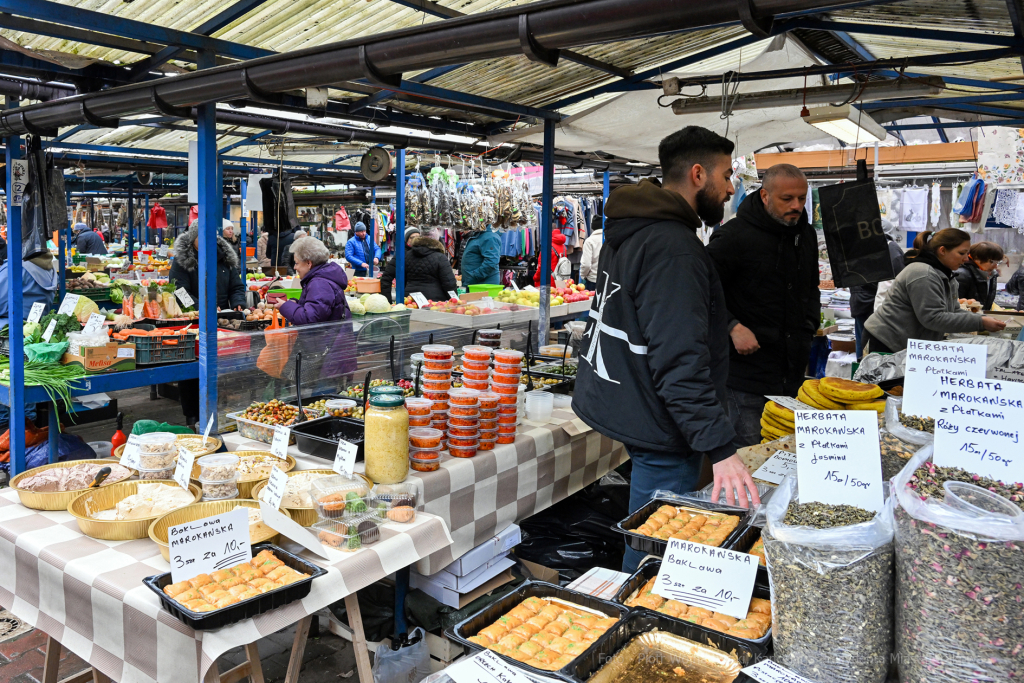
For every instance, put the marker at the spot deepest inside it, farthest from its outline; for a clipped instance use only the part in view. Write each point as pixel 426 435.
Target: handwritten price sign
pixel 702 576
pixel 838 458
pixel 209 544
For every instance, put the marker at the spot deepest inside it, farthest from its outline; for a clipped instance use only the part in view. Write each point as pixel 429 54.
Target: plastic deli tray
pixel 247 608
pixel 758 648
pixel 488 615
pixel 320 437
pixel 744 542
pixel 257 431
pixel 656 546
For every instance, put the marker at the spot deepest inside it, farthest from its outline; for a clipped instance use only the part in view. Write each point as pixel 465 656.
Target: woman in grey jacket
pixel 923 302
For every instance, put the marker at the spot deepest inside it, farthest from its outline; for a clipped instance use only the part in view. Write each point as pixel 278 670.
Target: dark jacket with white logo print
pixel 655 356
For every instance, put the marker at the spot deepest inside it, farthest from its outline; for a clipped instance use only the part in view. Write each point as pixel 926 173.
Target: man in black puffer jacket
pixel 767 257
pixel 427 270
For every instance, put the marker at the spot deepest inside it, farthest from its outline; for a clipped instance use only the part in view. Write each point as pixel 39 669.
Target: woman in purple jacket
pixel 323 286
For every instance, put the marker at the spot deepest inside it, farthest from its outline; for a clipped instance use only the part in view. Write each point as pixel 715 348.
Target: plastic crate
pixel 153 350
pixel 490 289
pixel 97 294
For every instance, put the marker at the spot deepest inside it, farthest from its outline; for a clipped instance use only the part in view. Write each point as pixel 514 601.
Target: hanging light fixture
pixel 847 123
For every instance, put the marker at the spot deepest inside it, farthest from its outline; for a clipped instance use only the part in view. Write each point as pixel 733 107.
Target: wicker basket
pixel 107 497
pixel 158 528
pixel 245 486
pixel 55 500
pixel 304 516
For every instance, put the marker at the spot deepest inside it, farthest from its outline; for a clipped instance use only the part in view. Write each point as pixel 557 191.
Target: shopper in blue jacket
pixel 480 259
pixel 360 249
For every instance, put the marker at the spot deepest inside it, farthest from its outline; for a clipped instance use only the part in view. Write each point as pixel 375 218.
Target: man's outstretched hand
pixel 732 475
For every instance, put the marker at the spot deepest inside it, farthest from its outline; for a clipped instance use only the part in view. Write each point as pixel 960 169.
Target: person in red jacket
pixel 557 251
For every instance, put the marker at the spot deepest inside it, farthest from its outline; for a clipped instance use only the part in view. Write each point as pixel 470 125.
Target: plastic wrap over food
pixel 958 589
pixel 832 594
pixel 893 406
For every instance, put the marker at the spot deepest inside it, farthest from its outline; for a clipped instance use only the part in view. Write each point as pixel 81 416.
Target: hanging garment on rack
pixel 981 214
pixel 967 196
pixel 976 204
pixel 914 209
pixel 936 211
pixel 1005 207
pixel 341 221
pixel 157 217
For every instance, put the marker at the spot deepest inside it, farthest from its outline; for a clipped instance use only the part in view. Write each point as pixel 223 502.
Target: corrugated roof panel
pixel 957 15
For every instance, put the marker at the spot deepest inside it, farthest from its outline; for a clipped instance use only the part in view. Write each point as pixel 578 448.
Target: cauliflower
pixel 377 303
pixel 356 307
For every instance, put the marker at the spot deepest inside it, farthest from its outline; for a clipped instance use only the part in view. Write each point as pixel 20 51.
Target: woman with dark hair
pixel 923 302
pixel 977 278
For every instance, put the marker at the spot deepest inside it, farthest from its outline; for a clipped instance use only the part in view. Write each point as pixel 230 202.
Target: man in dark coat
pixel 654 361
pixel 87 241
pixel 427 271
pixel 767 258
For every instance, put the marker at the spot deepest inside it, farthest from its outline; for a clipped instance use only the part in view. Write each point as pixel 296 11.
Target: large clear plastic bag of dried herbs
pixel 832 594
pixel 959 575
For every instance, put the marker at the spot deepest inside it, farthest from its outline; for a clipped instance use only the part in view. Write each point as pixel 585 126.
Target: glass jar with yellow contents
pixel 387 439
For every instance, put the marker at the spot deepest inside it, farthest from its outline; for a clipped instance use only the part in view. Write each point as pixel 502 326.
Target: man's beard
pixel 709 209
pixel 788 222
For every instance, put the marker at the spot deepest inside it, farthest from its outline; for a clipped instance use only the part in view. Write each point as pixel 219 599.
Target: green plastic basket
pixel 290 293
pixel 490 289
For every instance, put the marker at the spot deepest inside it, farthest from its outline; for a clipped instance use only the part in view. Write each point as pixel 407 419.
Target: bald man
pixel 767 259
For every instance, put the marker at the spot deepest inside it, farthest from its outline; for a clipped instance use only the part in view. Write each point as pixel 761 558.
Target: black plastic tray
pixel 644 621
pixel 317 437
pixel 744 543
pixel 488 615
pixel 655 546
pixel 246 609
pixel 650 569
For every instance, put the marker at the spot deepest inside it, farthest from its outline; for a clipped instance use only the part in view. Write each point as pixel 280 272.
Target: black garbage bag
pixel 34 228
pixel 858 250
pixel 278 205
pixel 56 197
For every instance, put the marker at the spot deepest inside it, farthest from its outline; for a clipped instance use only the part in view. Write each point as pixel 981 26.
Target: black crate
pixel 488 615
pixel 161 322
pixel 650 569
pixel 641 622
pixel 320 437
pixel 655 546
pixel 247 608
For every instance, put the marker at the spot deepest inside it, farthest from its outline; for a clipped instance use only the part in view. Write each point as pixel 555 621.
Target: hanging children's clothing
pixel 914 209
pixel 936 209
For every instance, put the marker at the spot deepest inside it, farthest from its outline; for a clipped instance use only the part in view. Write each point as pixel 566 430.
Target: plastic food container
pixel 158 442
pixel 435 375
pixel 349 535
pixel 439 415
pixel 425 438
pixel 424 464
pixel 486 444
pixel 463 411
pixel 489 433
pixel 508 356
pixel 463 421
pixel 433 364
pixel 508 408
pixel 436 385
pixel 508 418
pixel 489 414
pixel 506 429
pixel 438 351
pixel 219 467
pixel 436 395
pixel 476 385
pixel 336 492
pixel 506 438
pixel 539 405
pixel 338 406
pixel 439 405
pixel 489 400
pixel 562 401
pixel 426 453
pixel 477 353
pixel 507 400
pixel 158 460
pixel 386 445
pixel 460 452
pixel 476 375
pixel 558 350
pixel 395 495
pixel 418 406
pixel 503 369
pixel 440 425
pixel 488 425
pixel 462 431
pixel 464 397
pixel 220 489
pixel 475 365
pixel 506 379
pixel 463 441
pixel 506 390
pixel 419 421
pixel 158 473
pixel 490 335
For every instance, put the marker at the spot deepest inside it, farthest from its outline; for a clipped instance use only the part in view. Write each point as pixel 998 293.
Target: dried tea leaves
pixel 921 424
pixel 895 454
pixel 928 481
pixel 825 516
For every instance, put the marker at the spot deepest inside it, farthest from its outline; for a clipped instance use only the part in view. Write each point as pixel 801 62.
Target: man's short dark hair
pixel 781 171
pixel 692 145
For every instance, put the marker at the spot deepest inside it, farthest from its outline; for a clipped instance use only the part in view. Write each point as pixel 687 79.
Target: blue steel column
pixel 242 227
pixel 62 253
pixel 400 229
pixel 373 231
pixel 210 212
pixel 607 186
pixel 14 253
pixel 131 211
pixel 145 224
pixel 547 196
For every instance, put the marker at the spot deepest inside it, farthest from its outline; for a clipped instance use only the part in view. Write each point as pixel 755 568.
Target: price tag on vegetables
pixel 775 468
pixel 838 458
pixel 67 306
pixel 515 286
pixel 162 251
pixel 37 312
pixel 276 487
pixel 183 297
pixel 183 469
pixel 94 324
pixel 452 295
pixel 130 455
pixel 700 575
pixel 420 300
pixel 345 457
pixel 927 361
pixel 48 332
pixel 209 544
pixel 279 446
pixel 978 426
pixel 767 671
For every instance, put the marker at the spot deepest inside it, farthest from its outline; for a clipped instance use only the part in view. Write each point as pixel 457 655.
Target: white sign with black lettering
pixel 419 299
pixel 162 251
pixel 183 468
pixel 277 485
pixel 345 457
pixel 130 454
pixel 791 403
pixel 838 458
pixel 775 468
pixel 515 286
pixel 209 544
pixel 48 332
pixel 929 360
pixel 978 426
pixel 67 306
pixel 184 297
pixel 126 353
pixel 37 312
pixel 452 295
pixel 767 671
pixel 486 667
pixel 279 446
pixel 94 324
pixel 703 576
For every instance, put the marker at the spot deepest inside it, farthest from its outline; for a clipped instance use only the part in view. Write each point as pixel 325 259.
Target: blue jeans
pixel 858 331
pixel 654 470
pixel 592 286
pixel 745 411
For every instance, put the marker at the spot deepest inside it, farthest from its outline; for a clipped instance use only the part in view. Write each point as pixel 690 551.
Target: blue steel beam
pixel 981 109
pixel 248 141
pixel 209 225
pixel 939 130
pixel 117 150
pixel 68 133
pixel 956 124
pixel 17 63
pixel 113 381
pixel 77 17
pixel 16 420
pixel 376 98
pixel 544 264
pixel 400 227
pixel 942 101
pixel 898 32
pixel 275 163
pixel 215 23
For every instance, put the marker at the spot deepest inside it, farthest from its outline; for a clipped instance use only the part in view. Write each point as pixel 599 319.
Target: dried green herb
pixel 825 516
pixel 959 596
pixel 921 424
pixel 832 607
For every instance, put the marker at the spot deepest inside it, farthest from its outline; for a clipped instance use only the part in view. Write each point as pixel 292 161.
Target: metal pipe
pixel 547 199
pixel 243 227
pixel 372 232
pixel 400 228
pixel 145 221
pixel 16 419
pixel 131 216
pixel 29 90
pixel 547 26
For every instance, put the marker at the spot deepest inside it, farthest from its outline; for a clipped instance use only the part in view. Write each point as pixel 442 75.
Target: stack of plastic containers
pixel 348 518
pixel 539 405
pixel 489 338
pixel 425 448
pixel 438 360
pixel 219 476
pixel 158 455
pixel 464 423
pixel 476 367
pixel 508 367
pixel 488 420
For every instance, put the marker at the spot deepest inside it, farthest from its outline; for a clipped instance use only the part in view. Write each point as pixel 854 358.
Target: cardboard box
pixel 444 649
pixel 540 572
pixel 468 581
pixel 507 538
pixel 97 360
pixel 495 576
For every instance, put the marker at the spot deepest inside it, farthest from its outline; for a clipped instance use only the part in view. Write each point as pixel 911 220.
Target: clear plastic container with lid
pixel 464 397
pixel 386 446
pixel 463 441
pixel 339 407
pixel 489 335
pixel 424 464
pixel 476 385
pixel 220 490
pixel 507 369
pixel 506 379
pixel 435 384
pixel 476 352
pixel 437 351
pixel 489 414
pixel 218 467
pixel 437 396
pixel 428 375
pixel 425 437
pixel 476 374
pixel 418 406
pixel 462 452
pixel 489 400
pixel 419 420
pixel 158 442
pixel 157 473
pixel 454 430
pixel 463 421
pixel 508 356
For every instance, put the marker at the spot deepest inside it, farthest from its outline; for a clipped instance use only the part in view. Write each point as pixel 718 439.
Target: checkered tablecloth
pixel 88 594
pixel 478 497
